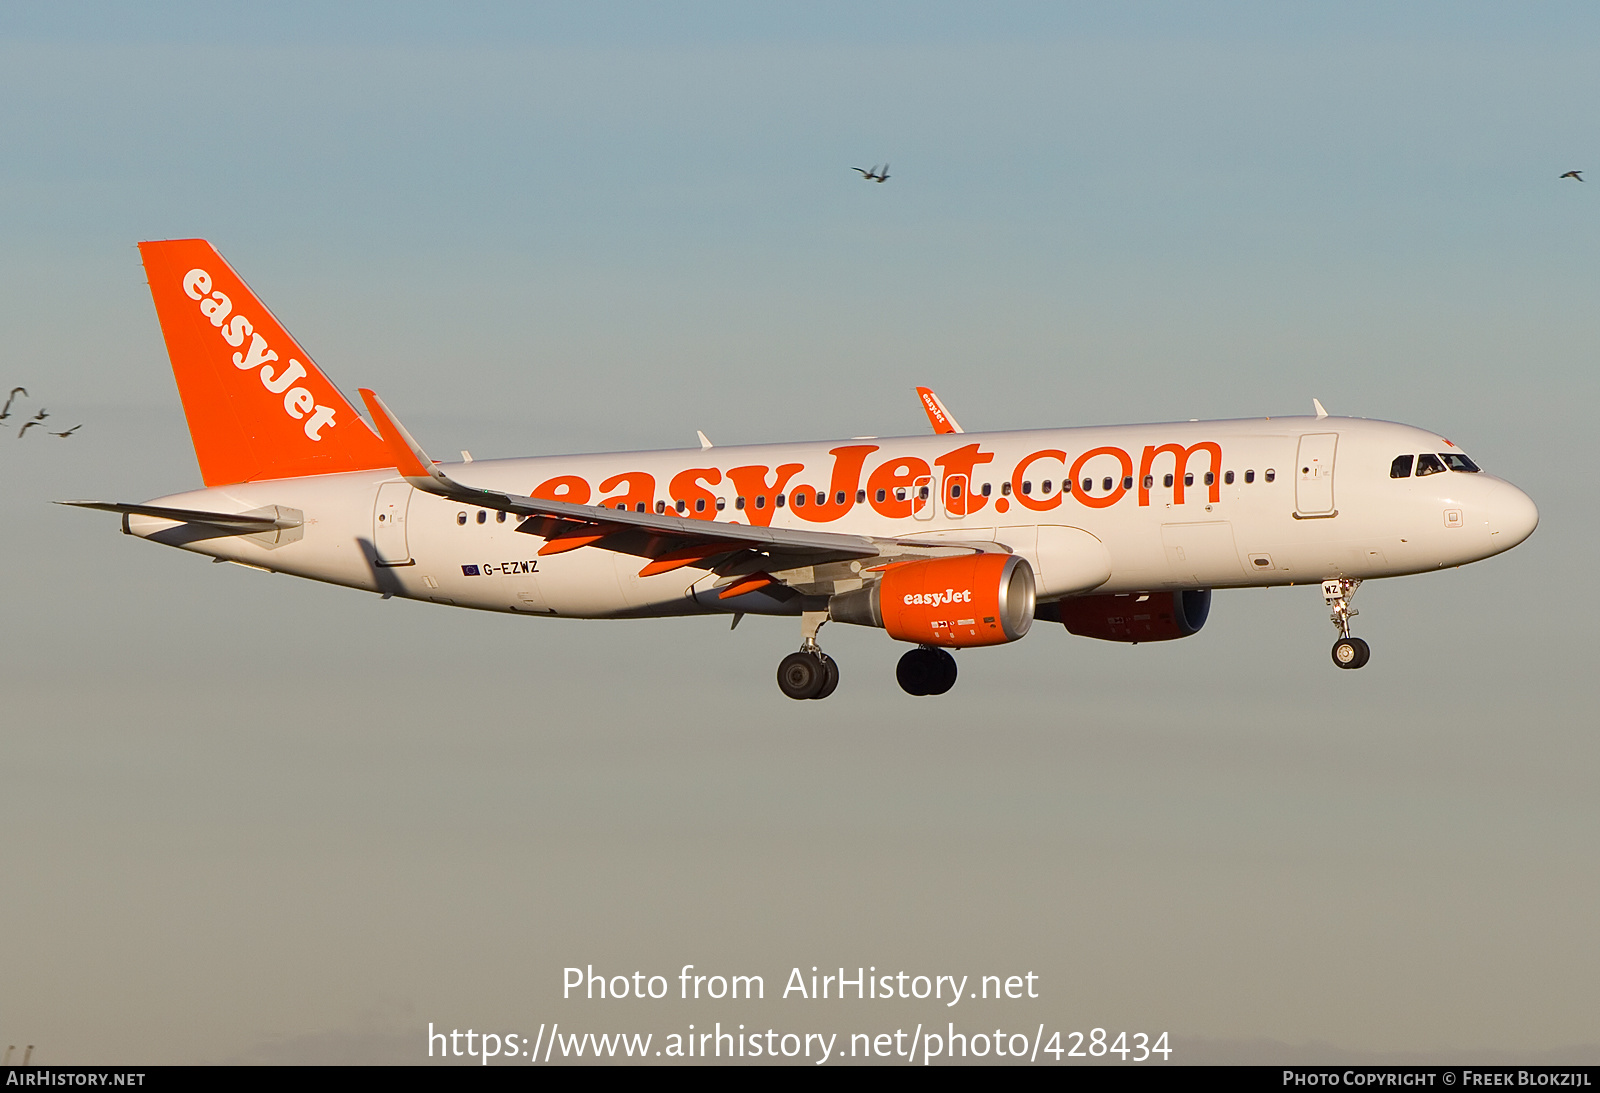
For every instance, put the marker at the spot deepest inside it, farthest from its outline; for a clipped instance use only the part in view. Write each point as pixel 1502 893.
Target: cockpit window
pixel 1428 464
pixel 1401 467
pixel 1457 461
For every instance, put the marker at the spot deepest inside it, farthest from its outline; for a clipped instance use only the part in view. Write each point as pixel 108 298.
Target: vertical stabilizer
pixel 257 405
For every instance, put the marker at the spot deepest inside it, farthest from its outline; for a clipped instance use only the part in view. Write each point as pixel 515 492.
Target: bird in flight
pixel 41 415
pixel 66 434
pixel 1574 174
pixel 12 398
pixel 26 425
pixel 877 174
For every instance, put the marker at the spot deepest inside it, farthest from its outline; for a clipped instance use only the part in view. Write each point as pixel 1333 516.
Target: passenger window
pixel 986 489
pixel 1227 478
pixel 680 505
pixel 661 508
pixel 838 498
pixel 500 517
pixel 1127 483
pixel 1005 489
pixel 777 502
pixel 799 500
pixel 1428 464
pixel 881 495
pixel 1044 487
pixel 1088 485
pixel 955 490
pixel 738 503
pixel 483 517
pixel 1270 475
pixel 923 493
pixel 461 518
pixel 722 503
pixel 1027 487
pixel 1106 485
pixel 639 507
pixel 1166 480
pixel 1210 478
pixel 1456 461
pixel 861 497
pixel 822 499
pixel 761 501
pixel 1188 479
pixel 1249 476
pixel 1066 487
pixel 1149 480
pixel 699 504
pixel 1401 467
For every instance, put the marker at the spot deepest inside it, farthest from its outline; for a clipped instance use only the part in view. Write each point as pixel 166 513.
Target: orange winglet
pixel 576 539
pixel 938 416
pixel 677 559
pixel 746 584
pixel 401 447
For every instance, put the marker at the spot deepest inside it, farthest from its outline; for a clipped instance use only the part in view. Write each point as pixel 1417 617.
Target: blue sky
pixel 539 228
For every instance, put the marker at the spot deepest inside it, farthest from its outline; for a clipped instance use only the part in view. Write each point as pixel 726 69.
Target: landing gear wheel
pixel 830 676
pixel 802 675
pixel 926 671
pixel 1351 652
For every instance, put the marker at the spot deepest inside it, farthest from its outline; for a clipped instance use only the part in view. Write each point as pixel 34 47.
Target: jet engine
pixel 975 599
pixel 1137 616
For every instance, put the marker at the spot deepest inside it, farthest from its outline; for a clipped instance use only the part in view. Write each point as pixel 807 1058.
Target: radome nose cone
pixel 1515 516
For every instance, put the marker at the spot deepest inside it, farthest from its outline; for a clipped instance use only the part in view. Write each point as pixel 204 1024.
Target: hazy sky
pixel 249 817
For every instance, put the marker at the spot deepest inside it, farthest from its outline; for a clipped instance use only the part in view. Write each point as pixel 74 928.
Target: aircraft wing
pixel 667 540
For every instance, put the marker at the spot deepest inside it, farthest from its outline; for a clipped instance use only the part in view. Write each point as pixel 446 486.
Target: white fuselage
pixel 1293 500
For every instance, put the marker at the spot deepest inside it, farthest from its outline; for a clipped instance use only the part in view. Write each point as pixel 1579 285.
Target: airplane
pixel 948 541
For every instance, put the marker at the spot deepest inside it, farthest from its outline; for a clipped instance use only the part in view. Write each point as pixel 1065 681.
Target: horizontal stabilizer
pixel 230 520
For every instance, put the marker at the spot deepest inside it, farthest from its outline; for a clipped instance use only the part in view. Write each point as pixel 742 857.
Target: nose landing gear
pixel 810 673
pixel 926 670
pixel 1348 652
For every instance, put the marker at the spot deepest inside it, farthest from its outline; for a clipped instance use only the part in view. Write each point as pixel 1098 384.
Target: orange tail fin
pixel 257 405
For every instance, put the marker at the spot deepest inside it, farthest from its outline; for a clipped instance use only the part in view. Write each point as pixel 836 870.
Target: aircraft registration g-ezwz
pixel 946 541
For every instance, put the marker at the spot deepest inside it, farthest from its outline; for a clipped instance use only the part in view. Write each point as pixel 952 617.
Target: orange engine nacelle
pixel 1139 616
pixel 976 599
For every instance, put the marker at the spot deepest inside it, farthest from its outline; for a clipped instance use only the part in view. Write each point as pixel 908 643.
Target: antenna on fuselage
pixel 1321 413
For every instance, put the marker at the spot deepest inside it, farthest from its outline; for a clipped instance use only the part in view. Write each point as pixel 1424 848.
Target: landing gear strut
pixel 1348 652
pixel 926 670
pixel 810 673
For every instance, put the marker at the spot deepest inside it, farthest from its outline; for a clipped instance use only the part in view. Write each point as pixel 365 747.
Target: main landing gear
pixel 926 670
pixel 810 673
pixel 1348 652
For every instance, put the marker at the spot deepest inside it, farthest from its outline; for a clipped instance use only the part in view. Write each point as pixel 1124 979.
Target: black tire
pixel 912 672
pixel 830 676
pixel 1351 652
pixel 801 675
pixel 942 671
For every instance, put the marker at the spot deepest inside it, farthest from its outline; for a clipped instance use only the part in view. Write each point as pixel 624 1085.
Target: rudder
pixel 257 405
